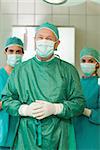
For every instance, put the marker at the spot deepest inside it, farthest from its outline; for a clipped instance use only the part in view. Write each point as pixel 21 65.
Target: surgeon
pixel 87 125
pixel 13 50
pixel 45 93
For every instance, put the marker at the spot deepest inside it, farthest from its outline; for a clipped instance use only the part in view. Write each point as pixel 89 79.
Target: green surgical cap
pixel 13 41
pixel 90 52
pixel 51 27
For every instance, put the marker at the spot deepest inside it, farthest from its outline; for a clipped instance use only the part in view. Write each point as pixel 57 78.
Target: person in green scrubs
pixel 45 93
pixel 13 50
pixel 87 125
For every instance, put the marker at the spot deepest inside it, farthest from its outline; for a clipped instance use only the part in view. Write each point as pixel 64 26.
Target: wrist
pixel 58 108
pixel 87 112
pixel 23 110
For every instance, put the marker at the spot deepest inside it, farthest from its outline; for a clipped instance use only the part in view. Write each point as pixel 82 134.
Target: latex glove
pixel 0 104
pixel 27 110
pixel 46 109
pixel 87 112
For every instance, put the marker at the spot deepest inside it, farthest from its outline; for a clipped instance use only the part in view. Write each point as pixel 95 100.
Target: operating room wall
pixel 85 18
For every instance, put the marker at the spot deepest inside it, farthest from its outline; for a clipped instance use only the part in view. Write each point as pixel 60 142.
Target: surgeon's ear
pixel 56 44
pixel 5 51
pixel 97 65
pixel 34 38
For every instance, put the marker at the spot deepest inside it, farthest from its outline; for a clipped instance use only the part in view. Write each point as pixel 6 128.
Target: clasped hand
pixel 42 109
pixel 39 109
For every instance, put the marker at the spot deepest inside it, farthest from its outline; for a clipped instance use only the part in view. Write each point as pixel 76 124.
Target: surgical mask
pixel 88 68
pixel 44 48
pixel 13 59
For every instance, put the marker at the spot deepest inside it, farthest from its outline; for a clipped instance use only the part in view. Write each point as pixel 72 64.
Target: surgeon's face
pixel 90 60
pixel 89 65
pixel 48 35
pixel 14 55
pixel 14 50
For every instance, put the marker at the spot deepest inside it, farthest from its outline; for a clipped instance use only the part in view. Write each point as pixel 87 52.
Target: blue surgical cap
pixel 51 27
pixel 90 52
pixel 13 41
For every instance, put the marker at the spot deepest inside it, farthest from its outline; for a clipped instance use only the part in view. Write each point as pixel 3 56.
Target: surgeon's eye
pixel 83 60
pixel 18 52
pixel 48 38
pixel 11 51
pixel 91 61
pixel 39 38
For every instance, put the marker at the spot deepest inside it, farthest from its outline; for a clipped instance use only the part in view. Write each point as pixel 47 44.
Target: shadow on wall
pixel 5 32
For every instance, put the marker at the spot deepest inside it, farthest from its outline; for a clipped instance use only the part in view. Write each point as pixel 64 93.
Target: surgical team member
pixel 13 50
pixel 87 126
pixel 46 93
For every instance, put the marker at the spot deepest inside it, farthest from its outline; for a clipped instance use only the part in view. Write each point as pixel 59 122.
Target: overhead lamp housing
pixel 55 2
pixel 65 2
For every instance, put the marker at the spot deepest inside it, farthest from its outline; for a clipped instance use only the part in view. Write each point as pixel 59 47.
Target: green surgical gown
pixel 8 123
pixel 87 129
pixel 55 81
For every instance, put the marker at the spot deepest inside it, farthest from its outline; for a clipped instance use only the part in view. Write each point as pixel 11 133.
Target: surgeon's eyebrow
pixel 49 37
pixel 39 35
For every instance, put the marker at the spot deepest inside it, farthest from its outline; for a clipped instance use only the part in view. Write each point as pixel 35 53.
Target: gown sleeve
pixel 95 115
pixel 74 103
pixel 10 99
pixel 1 83
pixel 1 87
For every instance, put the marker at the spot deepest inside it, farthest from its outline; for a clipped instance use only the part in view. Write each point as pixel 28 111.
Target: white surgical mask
pixel 44 48
pixel 13 59
pixel 88 68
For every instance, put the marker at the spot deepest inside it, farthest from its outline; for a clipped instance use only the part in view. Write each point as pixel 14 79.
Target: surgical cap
pixel 90 52
pixel 51 27
pixel 13 41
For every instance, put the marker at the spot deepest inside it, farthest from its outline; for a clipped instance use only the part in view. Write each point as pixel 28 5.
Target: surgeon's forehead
pixel 87 57
pixel 45 32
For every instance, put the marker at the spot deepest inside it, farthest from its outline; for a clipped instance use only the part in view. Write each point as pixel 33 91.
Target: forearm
pixel 72 108
pixel 93 115
pixel 0 105
pixel 11 105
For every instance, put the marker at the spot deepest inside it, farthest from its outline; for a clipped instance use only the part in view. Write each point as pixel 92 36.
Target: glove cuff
pixel 58 108
pixel 23 110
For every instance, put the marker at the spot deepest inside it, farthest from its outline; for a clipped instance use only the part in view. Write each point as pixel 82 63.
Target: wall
pixel 85 18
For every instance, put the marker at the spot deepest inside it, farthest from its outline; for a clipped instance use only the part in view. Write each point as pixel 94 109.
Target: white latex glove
pixel 46 109
pixel 27 110
pixel 87 112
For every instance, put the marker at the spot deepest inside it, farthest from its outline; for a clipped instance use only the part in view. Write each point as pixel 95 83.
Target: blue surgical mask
pixel 44 48
pixel 88 68
pixel 13 59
